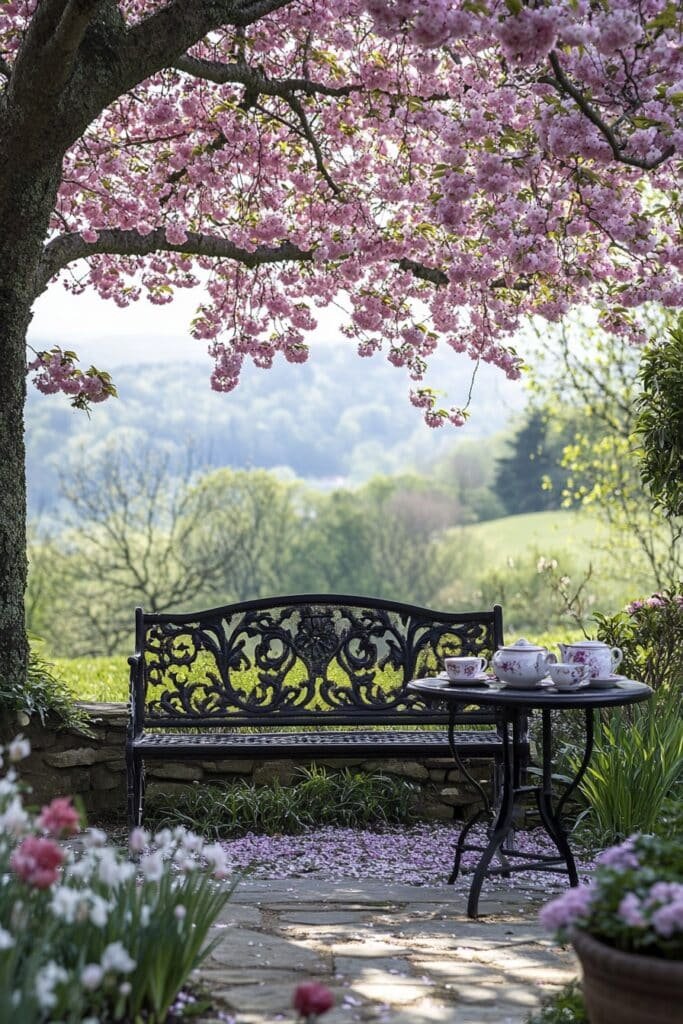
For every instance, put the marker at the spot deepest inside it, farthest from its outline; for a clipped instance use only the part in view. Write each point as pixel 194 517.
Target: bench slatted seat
pixel 312 676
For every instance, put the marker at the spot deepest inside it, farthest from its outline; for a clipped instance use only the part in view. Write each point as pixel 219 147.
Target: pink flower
pixel 59 818
pixel 630 911
pixel 311 998
pixel 565 909
pixel 528 36
pixel 621 857
pixel 37 861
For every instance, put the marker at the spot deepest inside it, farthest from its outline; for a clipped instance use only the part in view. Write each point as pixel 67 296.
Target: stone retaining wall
pixel 93 768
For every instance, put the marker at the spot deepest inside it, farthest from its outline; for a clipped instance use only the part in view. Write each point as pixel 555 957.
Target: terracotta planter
pixel 628 988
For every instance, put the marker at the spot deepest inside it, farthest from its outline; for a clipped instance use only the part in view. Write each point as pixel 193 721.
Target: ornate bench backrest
pixel 330 659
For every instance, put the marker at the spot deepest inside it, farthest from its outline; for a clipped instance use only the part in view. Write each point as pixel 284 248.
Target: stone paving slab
pixel 391 953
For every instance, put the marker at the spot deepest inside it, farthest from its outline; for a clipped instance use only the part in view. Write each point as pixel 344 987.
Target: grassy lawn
pixel 94 678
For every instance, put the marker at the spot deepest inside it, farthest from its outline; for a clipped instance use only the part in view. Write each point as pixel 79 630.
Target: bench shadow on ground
pixel 389 952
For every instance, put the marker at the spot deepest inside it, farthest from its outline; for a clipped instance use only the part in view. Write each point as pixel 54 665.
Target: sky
pixel 105 335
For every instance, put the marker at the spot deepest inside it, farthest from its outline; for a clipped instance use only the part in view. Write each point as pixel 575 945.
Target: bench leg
pixel 135 776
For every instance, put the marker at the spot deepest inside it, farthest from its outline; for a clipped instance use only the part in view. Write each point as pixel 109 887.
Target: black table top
pixel 626 692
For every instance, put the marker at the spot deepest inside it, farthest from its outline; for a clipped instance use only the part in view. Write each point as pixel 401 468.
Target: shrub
pixel 636 765
pixel 83 932
pixel 563 1007
pixel 349 799
pixel 650 633
pixel 43 694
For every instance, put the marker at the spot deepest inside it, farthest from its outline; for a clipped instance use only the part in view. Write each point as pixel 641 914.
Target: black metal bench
pixel 316 675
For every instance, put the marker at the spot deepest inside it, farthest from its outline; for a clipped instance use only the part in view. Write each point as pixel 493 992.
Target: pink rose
pixel 311 998
pixel 37 861
pixel 59 818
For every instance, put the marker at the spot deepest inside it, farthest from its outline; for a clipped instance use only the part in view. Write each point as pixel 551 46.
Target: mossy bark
pixel 26 200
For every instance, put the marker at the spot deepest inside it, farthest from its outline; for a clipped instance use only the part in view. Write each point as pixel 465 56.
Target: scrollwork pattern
pixel 276 660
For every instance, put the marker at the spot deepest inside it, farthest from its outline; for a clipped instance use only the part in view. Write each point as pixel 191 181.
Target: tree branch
pixel 440 277
pixel 253 78
pixel 46 58
pixel 66 248
pixel 431 274
pixel 562 84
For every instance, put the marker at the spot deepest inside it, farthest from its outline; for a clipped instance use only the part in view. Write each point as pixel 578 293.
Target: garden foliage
pixel 348 799
pixel 650 633
pixel 634 902
pixel 87 933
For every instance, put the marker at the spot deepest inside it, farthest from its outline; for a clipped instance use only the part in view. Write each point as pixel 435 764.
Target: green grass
pixel 94 679
pixel 501 538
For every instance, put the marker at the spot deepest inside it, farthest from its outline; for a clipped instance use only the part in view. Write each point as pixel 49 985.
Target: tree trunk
pixel 26 200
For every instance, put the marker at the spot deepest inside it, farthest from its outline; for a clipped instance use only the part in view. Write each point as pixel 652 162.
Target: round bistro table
pixel 513 706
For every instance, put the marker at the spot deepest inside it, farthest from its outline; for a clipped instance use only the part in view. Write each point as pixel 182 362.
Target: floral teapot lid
pixel 586 643
pixel 522 645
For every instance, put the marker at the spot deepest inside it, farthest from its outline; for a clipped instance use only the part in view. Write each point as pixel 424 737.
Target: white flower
pixel 91 976
pixel 111 870
pixel 115 958
pixel 99 910
pixel 90 1020
pixel 15 819
pixel 46 982
pixel 193 843
pixel 139 838
pixel 6 940
pixel 94 837
pixel 180 911
pixel 152 866
pixel 217 858
pixel 18 749
pixel 8 785
pixel 145 914
pixel 125 988
pixel 65 903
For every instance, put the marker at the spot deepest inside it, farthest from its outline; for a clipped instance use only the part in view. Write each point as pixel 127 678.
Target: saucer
pixel 564 688
pixel 480 680
pixel 604 682
pixel 524 687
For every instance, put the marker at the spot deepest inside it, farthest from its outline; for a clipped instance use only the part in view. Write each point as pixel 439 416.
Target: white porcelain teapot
pixel 600 658
pixel 522 663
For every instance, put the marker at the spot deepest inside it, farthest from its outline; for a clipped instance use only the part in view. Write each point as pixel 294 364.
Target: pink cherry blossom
pixel 436 167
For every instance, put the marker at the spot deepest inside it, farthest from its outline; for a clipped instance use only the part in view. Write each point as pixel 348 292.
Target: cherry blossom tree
pixel 441 168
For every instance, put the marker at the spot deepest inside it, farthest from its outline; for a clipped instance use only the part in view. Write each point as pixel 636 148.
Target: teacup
pixel 565 674
pixel 463 669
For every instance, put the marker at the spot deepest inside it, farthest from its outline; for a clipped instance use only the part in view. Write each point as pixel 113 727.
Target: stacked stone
pixel 92 767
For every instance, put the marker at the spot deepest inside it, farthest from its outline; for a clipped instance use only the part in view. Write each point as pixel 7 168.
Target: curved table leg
pixel 501 826
pixel 456 757
pixel 460 845
pixel 588 750
pixel 552 818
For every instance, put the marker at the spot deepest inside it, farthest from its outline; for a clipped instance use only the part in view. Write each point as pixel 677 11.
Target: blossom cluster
pixel 634 902
pixel 56 370
pixel 656 600
pixel 441 169
pixel 118 936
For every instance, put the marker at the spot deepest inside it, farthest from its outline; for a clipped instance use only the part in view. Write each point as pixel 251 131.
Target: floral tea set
pixel 524 665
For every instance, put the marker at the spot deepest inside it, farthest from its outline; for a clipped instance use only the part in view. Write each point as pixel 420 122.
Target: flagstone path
pixel 391 953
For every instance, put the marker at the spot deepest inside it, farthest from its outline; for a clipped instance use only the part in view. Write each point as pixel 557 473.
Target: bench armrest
pixel 136 693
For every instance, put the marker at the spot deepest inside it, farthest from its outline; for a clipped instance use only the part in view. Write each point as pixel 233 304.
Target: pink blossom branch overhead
pixel 447 169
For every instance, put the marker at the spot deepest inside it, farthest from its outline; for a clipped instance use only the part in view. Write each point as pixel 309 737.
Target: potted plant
pixel 627 929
